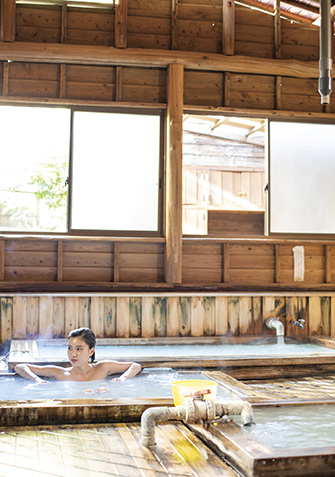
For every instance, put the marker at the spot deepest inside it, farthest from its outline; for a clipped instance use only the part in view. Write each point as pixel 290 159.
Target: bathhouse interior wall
pixel 180 56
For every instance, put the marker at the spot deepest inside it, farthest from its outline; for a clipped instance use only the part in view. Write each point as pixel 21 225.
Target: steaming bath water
pixel 151 383
pixel 295 427
pixel 258 348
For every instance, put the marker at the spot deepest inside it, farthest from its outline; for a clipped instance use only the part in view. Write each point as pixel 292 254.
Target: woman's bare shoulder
pixel 113 366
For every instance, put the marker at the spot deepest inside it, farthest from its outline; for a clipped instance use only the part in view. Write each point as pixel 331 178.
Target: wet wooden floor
pixel 307 388
pixel 104 451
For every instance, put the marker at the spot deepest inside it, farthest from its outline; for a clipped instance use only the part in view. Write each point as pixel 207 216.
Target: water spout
pixel 193 411
pixel 275 324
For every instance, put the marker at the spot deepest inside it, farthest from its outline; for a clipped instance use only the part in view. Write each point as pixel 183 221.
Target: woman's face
pixel 78 351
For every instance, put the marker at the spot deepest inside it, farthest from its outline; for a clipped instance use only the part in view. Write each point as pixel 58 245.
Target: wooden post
pixel 278 92
pixel 174 26
pixel 60 260
pixel 5 78
pixel 225 264
pixel 228 27
pixel 121 20
pixel 277 29
pixel 328 267
pixel 2 260
pixel 118 85
pixel 116 262
pixel 64 24
pixel 8 17
pixel 277 263
pixel 226 99
pixel 173 207
pixel 62 81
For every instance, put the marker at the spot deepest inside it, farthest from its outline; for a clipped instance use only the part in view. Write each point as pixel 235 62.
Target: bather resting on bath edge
pixel 80 349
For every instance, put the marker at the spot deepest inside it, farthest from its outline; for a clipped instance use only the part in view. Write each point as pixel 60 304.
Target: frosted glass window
pixel 34 168
pixel 301 178
pixel 115 171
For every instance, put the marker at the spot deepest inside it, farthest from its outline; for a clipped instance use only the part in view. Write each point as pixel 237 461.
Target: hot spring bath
pixel 149 384
pixel 174 350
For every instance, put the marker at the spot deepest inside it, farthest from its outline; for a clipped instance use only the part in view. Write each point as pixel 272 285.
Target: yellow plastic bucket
pixel 180 388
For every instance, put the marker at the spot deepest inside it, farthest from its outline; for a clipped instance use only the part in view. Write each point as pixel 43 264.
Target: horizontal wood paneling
pixel 29 317
pixel 203 87
pixel 90 82
pixel 149 8
pixel 202 262
pixel 223 222
pixel 33 80
pixel 141 262
pixel 143 84
pixel 26 260
pixel 300 94
pixel 252 91
pixel 37 23
pixel 254 33
pixel 196 27
pixel 149 24
pixel 299 41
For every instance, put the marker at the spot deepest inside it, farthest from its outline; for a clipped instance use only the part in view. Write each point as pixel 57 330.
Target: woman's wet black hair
pixel 87 335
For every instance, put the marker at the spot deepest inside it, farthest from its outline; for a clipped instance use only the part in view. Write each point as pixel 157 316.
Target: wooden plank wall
pixel 148 85
pixel 254 33
pixel 78 261
pixel 50 316
pixel 299 41
pixel 199 27
pixel 227 223
pixel 149 24
pixel 86 261
pixel 189 26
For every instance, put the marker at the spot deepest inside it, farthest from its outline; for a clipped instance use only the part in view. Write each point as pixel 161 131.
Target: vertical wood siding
pixel 30 317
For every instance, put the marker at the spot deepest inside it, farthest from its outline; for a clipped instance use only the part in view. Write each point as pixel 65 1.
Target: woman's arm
pixel 32 372
pixel 129 369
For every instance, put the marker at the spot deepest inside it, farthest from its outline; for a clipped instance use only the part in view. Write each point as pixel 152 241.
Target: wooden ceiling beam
pixel 303 6
pixel 256 129
pixel 106 55
pixel 230 138
pixel 268 7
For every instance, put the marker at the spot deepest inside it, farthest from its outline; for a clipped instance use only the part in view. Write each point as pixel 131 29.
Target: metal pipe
pixel 193 411
pixel 325 61
pixel 275 324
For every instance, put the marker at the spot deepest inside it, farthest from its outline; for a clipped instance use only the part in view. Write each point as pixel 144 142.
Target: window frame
pixel 288 235
pixel 161 113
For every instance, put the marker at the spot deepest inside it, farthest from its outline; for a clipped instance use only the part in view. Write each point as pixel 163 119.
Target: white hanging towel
pixel 299 263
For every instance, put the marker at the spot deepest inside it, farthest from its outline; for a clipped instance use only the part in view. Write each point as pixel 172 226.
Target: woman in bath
pixel 80 350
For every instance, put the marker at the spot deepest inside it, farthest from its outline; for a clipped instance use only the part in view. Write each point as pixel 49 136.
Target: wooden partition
pixel 78 263
pixel 86 264
pixel 164 315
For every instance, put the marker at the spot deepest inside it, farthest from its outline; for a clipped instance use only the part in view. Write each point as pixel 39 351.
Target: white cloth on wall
pixel 299 263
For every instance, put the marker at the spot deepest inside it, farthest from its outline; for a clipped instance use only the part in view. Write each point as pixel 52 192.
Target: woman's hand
pixel 99 390
pixel 41 381
pixel 120 379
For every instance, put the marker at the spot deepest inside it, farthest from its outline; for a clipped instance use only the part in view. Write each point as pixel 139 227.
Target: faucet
pixel 300 323
pixel 275 324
